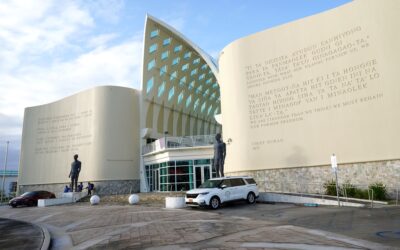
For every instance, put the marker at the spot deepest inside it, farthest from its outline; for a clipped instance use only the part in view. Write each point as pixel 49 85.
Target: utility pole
pixel 4 171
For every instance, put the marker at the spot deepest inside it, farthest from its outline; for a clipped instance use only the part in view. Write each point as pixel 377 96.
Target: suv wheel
pixel 251 198
pixel 214 202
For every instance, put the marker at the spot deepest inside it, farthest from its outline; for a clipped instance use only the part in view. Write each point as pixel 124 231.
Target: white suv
pixel 214 192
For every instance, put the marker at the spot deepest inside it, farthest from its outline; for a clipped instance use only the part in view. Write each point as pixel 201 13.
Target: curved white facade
pixel 101 125
pixel 321 85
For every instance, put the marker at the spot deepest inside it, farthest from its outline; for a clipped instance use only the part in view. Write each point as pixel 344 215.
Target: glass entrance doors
pixel 153 177
pixel 201 174
pixel 179 175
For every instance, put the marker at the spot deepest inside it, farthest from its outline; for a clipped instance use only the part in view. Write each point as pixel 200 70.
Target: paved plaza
pixel 238 226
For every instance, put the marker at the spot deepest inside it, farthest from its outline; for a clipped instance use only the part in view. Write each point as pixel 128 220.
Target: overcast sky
pixel 53 49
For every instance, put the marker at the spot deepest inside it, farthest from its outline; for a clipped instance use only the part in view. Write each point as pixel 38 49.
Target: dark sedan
pixel 31 198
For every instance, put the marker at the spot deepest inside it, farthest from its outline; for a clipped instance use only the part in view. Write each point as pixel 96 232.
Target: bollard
pixel 133 199
pixel 372 198
pixel 94 200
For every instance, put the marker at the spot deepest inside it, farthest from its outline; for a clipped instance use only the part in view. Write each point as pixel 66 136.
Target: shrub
pixel 361 194
pixel 379 191
pixel 349 189
pixel 330 187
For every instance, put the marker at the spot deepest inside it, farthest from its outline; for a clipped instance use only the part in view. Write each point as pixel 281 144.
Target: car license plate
pixel 190 200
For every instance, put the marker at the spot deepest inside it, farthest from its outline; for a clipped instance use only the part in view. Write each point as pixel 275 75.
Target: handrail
pixel 178 142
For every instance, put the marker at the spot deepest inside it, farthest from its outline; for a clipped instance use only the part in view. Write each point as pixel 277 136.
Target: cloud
pixel 33 85
pixel 30 27
pixel 43 58
pixel 9 125
pixel 52 49
pixel 101 40
pixel 107 10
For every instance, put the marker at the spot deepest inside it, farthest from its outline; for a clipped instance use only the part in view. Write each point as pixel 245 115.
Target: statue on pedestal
pixel 219 155
pixel 74 173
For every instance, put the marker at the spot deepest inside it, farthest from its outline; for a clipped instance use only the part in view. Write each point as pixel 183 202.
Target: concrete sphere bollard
pixel 94 200
pixel 133 199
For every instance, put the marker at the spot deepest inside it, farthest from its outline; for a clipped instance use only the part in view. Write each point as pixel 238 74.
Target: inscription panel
pixel 277 95
pixel 63 133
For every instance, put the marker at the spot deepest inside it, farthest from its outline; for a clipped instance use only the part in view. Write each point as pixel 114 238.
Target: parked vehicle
pixel 217 191
pixel 30 198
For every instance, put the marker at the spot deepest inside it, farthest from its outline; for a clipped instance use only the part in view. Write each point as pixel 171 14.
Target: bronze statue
pixel 219 155
pixel 74 173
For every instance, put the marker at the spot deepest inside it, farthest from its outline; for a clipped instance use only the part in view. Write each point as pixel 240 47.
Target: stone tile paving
pixel 108 226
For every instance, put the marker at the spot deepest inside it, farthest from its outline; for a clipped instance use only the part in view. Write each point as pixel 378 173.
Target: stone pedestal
pixel 63 198
pixel 175 202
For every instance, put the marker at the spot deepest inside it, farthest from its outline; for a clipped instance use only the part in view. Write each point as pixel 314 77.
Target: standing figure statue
pixel 219 155
pixel 74 174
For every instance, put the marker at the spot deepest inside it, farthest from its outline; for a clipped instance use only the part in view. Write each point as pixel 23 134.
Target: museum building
pixel 282 105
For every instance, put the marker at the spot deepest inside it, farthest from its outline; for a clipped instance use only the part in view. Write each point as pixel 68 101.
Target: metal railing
pixel 178 142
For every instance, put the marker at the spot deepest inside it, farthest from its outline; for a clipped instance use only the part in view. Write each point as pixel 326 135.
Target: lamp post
pixel 335 169
pixel 4 171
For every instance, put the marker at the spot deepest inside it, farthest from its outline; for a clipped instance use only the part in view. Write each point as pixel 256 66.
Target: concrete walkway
pixel 111 226
pixel 380 225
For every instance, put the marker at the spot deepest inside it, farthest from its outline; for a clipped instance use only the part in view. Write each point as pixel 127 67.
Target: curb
pixel 46 237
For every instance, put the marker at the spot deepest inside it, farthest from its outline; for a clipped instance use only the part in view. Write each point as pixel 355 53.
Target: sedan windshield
pixel 210 184
pixel 29 194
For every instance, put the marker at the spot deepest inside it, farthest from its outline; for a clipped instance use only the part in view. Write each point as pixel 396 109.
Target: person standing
pixel 74 173
pixel 80 187
pixel 90 188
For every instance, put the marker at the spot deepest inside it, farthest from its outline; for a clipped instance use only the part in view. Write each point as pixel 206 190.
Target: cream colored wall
pixel 293 95
pixel 100 124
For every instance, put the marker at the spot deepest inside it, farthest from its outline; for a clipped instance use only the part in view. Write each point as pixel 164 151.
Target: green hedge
pixel 379 190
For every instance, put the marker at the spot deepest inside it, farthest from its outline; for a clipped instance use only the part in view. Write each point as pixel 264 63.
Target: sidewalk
pixel 110 226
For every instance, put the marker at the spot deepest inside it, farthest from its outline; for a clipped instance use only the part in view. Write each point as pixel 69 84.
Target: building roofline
pixel 212 63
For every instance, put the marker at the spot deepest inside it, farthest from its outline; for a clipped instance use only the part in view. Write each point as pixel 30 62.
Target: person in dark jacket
pixel 90 188
pixel 80 187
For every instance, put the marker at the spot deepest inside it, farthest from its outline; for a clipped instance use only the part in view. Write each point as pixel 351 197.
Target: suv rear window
pixel 250 181
pixel 210 184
